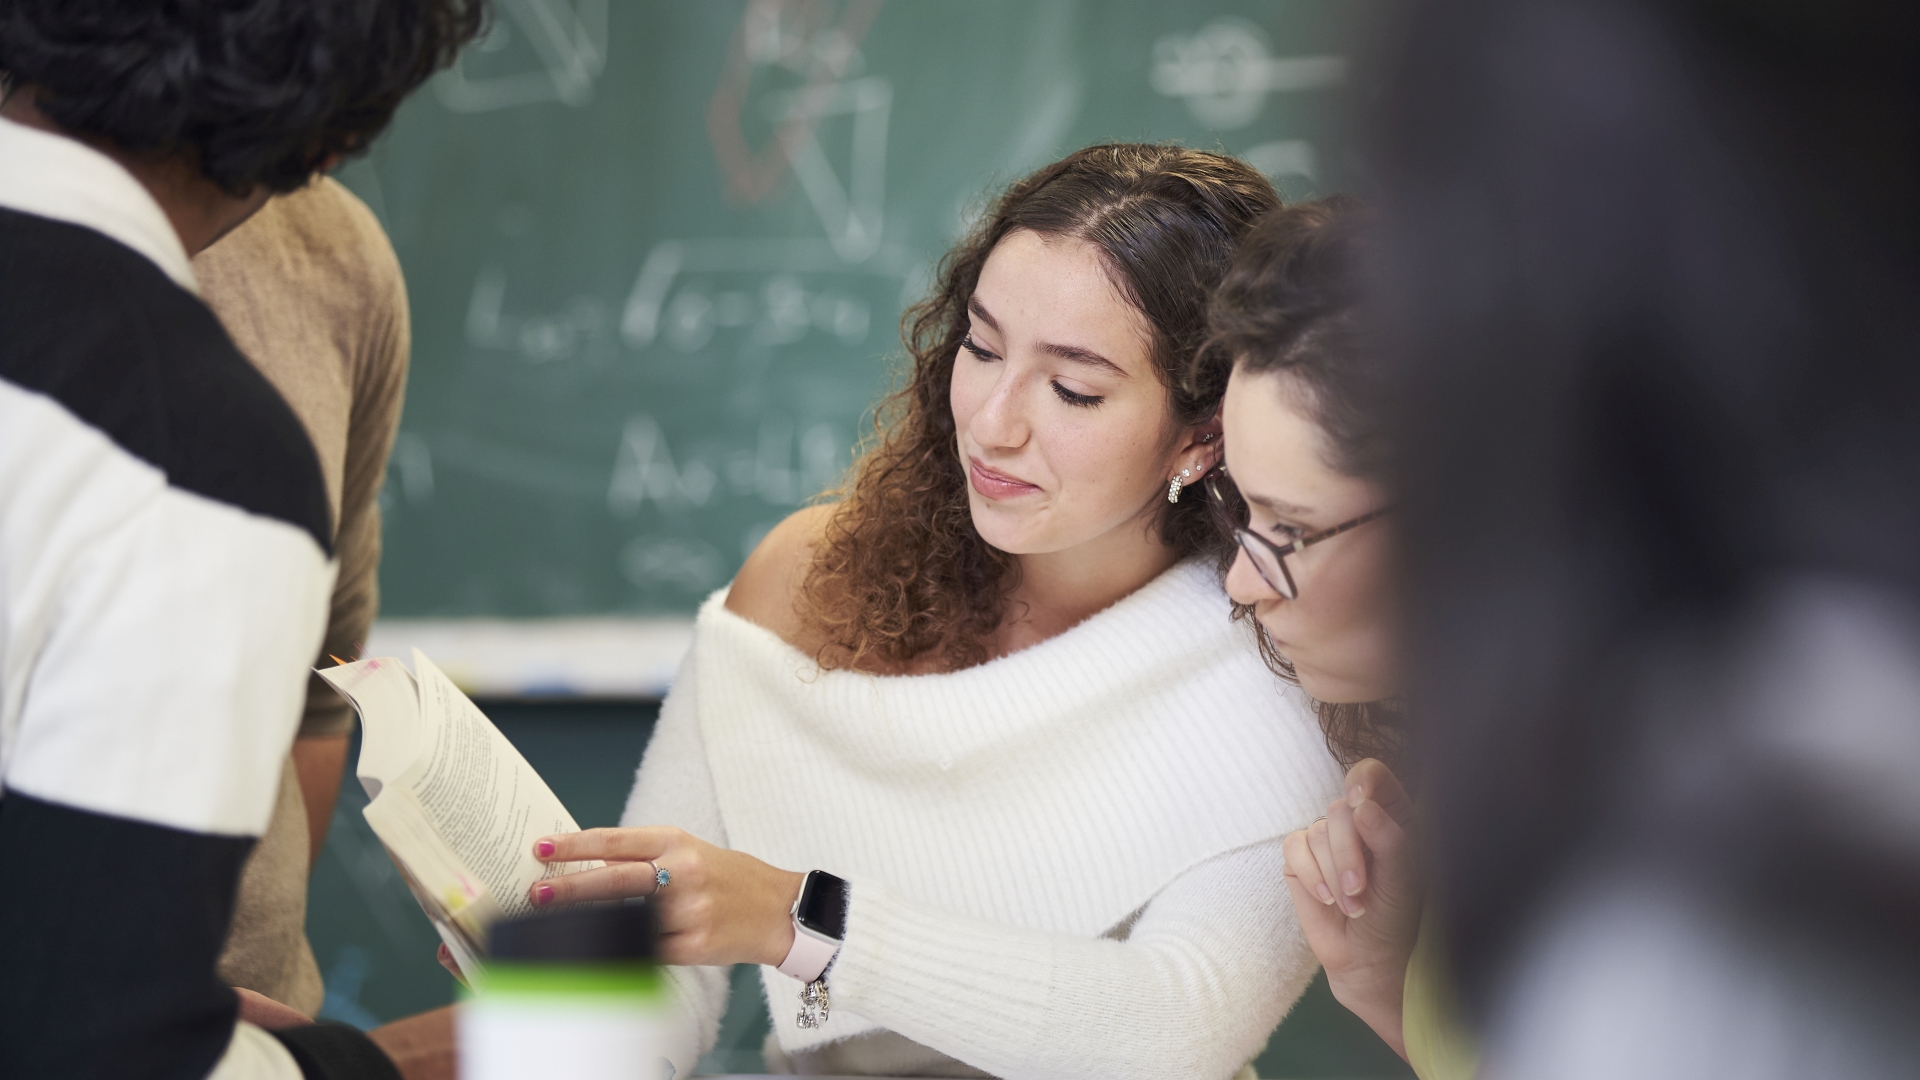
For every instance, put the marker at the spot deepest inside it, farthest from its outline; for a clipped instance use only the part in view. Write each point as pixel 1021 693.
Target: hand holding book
pixel 722 906
pixel 455 804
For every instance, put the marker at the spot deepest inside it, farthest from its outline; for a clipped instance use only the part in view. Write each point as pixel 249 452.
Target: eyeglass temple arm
pixel 1328 534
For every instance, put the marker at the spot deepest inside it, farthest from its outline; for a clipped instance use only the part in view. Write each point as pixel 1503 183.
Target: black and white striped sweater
pixel 164 579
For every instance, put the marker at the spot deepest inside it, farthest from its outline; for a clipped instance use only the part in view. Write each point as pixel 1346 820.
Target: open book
pixel 455 804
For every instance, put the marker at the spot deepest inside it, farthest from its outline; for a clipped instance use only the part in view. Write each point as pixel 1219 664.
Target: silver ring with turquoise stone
pixel 661 878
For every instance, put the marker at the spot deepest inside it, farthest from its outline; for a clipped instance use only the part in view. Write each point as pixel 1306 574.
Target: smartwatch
pixel 819 925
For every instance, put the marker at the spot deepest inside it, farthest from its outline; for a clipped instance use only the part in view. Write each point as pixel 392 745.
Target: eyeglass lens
pixel 1268 562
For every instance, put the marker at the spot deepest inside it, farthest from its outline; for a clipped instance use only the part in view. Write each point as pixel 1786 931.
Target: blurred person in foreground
pixel 1650 276
pixel 1306 488
pixel 165 527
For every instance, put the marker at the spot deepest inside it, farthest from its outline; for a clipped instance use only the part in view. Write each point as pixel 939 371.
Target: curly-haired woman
pixel 969 761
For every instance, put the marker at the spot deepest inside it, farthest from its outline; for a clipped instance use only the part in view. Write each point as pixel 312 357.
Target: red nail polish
pixel 543 893
pixel 543 849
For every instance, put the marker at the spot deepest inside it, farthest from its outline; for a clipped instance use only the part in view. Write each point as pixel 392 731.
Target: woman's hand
pixel 722 907
pixel 1355 884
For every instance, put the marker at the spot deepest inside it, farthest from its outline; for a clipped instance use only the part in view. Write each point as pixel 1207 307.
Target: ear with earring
pixel 1177 483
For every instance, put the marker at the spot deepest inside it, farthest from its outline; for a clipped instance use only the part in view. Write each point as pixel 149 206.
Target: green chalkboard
pixel 657 252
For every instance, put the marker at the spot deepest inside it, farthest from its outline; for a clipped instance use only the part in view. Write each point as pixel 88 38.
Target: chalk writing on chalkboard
pixel 682 562
pixel 802 38
pixel 583 328
pixel 643 469
pixel 776 291
pixel 1224 72
pixel 625 376
pixel 850 212
pixel 780 469
pixel 686 289
pixel 537 50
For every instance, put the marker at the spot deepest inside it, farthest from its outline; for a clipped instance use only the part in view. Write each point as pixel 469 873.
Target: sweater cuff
pixel 912 968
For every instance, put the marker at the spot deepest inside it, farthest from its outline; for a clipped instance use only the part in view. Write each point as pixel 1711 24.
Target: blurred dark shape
pixel 1653 273
pixel 586 934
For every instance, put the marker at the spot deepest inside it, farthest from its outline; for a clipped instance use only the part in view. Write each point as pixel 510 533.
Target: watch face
pixel 823 905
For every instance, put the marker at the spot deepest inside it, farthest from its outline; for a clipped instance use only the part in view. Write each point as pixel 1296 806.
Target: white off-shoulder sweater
pixel 1063 863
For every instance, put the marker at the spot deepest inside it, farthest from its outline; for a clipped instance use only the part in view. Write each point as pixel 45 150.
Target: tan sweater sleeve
pixel 382 332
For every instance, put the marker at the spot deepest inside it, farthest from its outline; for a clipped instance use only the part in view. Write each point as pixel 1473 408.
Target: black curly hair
pixel 253 92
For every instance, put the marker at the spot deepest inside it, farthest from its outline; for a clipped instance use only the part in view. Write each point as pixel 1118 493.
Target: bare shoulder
pixel 767 589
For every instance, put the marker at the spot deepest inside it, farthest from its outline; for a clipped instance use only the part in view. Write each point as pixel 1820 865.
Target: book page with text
pixel 459 906
pixel 483 799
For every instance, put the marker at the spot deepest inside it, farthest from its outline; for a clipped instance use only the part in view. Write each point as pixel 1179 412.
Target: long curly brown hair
pixel 901 575
pixel 1291 303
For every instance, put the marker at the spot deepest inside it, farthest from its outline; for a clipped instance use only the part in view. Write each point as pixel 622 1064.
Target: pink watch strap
pixel 809 956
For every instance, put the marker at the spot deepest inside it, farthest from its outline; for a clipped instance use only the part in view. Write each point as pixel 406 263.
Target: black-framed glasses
pixel 1269 559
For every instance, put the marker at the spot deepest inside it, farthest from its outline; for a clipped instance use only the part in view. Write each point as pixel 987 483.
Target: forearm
pixel 319 764
pixel 1196 988
pixel 326 726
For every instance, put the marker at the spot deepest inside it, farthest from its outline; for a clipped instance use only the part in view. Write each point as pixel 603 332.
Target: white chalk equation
pixel 1225 70
pixel 778 290
pixel 643 469
pixel 583 328
pixel 536 51
pixel 773 293
pixel 682 563
pixel 785 466
pixel 779 464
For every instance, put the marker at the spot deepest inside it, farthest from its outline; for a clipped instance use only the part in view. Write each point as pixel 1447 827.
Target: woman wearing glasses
pixel 1304 493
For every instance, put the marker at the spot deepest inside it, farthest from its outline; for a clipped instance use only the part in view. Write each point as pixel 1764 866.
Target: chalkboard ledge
pixel 625 658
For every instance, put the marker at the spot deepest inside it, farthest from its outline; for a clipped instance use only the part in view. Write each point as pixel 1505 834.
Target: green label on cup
pixel 522 979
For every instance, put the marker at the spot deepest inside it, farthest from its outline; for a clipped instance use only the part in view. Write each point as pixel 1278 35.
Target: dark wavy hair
pixel 252 92
pixel 1291 303
pixel 901 573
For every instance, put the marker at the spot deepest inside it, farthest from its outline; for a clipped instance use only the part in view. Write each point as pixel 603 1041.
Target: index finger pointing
pixel 607 845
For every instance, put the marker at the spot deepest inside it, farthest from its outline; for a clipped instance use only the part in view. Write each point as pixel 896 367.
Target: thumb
pixel 1393 879
pixel 1372 780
